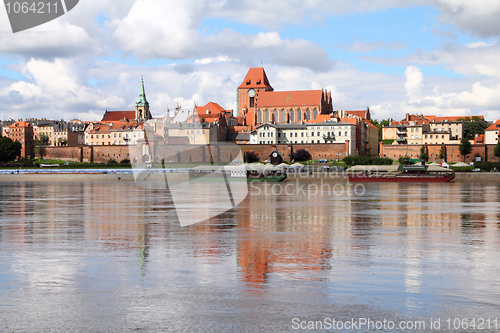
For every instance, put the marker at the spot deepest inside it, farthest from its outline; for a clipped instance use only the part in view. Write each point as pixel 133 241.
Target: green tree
pixel 424 155
pixel 476 126
pixel 300 155
pixel 250 157
pixel 9 150
pixel 465 147
pixel 40 143
pixel 382 123
pixel 442 153
pixel 496 152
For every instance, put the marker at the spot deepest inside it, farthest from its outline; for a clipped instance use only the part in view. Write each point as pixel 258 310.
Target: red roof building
pixel 258 103
pixel 22 131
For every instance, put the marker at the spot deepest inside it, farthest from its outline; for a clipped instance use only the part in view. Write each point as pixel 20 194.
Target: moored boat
pixel 400 173
pixel 238 173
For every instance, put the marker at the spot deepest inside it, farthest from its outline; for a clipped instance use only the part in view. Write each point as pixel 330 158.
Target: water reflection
pixel 407 250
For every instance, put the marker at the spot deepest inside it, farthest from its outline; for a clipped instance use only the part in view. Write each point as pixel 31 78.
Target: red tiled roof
pixel 256 78
pixel 348 120
pixel 116 126
pixel 453 118
pixel 20 124
pixel 289 98
pixel 360 114
pixel 494 126
pixel 321 118
pixel 118 115
pixel 213 108
pixel 479 139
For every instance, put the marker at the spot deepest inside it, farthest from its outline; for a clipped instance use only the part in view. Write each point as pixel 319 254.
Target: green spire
pixel 142 101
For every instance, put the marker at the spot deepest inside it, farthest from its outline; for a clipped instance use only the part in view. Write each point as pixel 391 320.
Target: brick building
pixel 258 103
pixel 22 131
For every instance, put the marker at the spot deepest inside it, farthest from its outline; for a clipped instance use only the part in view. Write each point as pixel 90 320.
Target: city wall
pixel 225 153
pixel 452 152
pixel 189 154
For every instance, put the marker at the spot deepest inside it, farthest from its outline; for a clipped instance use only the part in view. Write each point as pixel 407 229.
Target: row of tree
pixel 9 150
pixel 465 149
pixel 303 155
pixel 300 155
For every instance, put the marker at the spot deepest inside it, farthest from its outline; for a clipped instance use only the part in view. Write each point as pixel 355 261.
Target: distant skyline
pixel 438 57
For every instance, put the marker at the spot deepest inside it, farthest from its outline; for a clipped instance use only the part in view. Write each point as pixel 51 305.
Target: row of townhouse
pixel 428 130
pixel 419 130
pixel 114 133
pixel 324 132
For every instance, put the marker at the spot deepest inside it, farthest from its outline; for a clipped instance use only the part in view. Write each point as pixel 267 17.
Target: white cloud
pixel 479 17
pixel 414 84
pixel 53 89
pixel 367 47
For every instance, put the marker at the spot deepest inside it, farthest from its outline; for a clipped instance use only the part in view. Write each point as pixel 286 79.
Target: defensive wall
pixel 185 154
pixel 452 152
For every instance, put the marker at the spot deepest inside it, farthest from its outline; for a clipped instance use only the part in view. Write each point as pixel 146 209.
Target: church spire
pixel 142 101
pixel 142 104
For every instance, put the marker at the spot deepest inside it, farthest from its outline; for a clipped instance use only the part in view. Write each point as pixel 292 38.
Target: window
pixel 312 133
pixel 340 133
pixel 252 102
pixel 259 116
pixel 302 134
pixel 318 134
pixel 295 134
pixel 299 115
pixel 345 133
pixel 292 116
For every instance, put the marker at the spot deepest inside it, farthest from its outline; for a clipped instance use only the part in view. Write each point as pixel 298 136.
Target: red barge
pixel 400 173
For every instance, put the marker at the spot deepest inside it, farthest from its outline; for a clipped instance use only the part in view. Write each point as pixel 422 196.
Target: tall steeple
pixel 142 104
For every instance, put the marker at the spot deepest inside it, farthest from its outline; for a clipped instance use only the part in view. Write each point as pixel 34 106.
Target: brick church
pixel 258 103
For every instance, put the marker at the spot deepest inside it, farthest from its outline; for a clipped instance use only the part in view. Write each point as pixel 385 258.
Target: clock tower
pixel 248 92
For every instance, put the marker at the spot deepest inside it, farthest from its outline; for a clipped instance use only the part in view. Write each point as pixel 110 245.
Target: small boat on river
pixel 247 172
pixel 415 173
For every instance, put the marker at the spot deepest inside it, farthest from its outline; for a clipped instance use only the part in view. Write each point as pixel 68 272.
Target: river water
pixel 108 255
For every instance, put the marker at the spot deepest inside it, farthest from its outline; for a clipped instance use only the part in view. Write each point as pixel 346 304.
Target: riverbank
pixel 324 176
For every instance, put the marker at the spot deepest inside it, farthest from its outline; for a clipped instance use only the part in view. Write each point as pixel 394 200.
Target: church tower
pixel 247 94
pixel 142 105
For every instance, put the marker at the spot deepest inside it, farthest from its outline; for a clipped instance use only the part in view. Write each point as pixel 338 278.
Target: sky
pixel 431 57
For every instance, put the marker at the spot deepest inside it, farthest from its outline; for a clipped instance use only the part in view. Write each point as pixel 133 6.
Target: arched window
pixel 259 116
pixel 276 116
pixel 315 114
pixel 299 115
pixel 267 116
pixel 283 116
pixel 308 114
pixel 292 115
